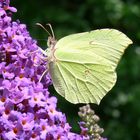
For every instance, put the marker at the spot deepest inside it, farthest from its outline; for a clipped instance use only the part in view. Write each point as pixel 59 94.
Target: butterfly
pixel 82 66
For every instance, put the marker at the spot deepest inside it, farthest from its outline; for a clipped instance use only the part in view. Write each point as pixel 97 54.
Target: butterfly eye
pixel 51 42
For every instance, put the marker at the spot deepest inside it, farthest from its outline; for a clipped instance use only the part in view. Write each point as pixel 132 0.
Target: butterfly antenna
pixel 51 30
pixel 45 29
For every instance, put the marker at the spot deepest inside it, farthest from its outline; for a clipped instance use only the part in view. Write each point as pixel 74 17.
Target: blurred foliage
pixel 120 109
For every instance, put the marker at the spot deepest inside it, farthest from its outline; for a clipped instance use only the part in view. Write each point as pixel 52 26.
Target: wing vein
pixel 89 81
pixel 91 92
pixel 63 78
pixel 79 89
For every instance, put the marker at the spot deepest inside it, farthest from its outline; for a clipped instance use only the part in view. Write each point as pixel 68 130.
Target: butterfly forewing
pixel 107 43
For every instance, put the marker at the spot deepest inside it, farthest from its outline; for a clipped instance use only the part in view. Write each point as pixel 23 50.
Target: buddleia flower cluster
pixel 89 124
pixel 27 109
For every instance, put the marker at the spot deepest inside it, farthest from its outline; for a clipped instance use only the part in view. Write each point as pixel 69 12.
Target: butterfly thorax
pixel 51 48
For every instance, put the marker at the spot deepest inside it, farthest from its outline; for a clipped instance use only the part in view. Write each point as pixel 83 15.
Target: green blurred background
pixel 120 109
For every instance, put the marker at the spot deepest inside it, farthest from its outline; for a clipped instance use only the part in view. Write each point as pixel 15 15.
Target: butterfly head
pixel 51 39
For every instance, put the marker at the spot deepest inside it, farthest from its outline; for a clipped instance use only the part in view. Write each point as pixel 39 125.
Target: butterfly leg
pixel 44 52
pixel 44 73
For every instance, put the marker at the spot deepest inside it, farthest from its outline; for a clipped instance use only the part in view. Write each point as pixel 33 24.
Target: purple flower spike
pixel 27 111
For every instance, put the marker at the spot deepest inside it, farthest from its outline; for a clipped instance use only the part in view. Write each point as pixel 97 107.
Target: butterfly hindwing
pixel 82 82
